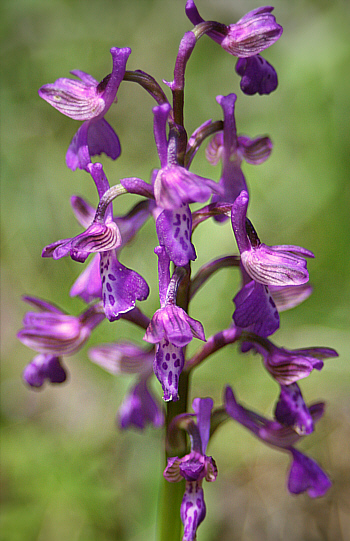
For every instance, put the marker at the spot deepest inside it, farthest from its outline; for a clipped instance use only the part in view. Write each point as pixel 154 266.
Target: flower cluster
pixel 273 278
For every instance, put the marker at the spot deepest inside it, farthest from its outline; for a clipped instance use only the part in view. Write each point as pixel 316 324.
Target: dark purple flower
pixel 106 277
pixel 171 328
pixel 53 332
pixel 253 33
pixel 283 265
pixel 89 100
pixel 194 467
pixel 305 474
pixel 258 76
pixel 139 408
pixel 44 367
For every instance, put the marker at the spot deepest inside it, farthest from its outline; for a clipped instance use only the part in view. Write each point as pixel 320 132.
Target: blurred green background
pixel 67 472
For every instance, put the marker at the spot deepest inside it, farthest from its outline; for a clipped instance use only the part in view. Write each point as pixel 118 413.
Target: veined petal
pixel 256 310
pixel 271 266
pixel 255 151
pixel 253 33
pixel 73 98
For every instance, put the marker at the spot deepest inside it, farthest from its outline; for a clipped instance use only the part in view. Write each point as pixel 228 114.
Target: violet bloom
pixel 283 265
pixel 288 366
pixel 52 333
pixel 139 407
pixel 171 328
pixel 253 33
pixel 194 467
pixel 89 100
pixel 305 474
pixel 232 150
pixel 44 367
pixel 105 277
pixel 258 76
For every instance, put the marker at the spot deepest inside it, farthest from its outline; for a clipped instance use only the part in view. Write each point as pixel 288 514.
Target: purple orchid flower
pixel 288 366
pixel 174 225
pixel 107 278
pixel 253 33
pixel 232 150
pixel 194 467
pixel 171 328
pixel 174 185
pixel 44 367
pixel 139 407
pixel 258 76
pixel 53 333
pixel 269 265
pixel 89 100
pixel 305 474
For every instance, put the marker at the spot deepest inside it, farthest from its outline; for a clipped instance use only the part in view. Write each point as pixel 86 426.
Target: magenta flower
pixel 305 474
pixel 269 265
pixel 292 411
pixel 254 32
pixel 194 467
pixel 89 100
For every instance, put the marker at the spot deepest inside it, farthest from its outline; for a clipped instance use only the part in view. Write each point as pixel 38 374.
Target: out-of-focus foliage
pixel 67 472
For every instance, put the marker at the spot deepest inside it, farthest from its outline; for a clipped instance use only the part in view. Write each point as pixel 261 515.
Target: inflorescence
pixel 273 278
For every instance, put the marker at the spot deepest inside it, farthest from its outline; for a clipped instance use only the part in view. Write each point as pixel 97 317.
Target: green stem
pixel 171 494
